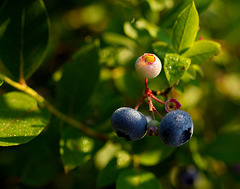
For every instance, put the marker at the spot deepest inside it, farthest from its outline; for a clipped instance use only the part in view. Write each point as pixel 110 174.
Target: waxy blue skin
pixel 176 128
pixel 129 123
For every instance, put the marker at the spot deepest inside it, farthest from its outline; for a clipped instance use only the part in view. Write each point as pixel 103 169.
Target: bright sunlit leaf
pixel 21 119
pixel 185 28
pixel 137 179
pixel 201 51
pixel 175 66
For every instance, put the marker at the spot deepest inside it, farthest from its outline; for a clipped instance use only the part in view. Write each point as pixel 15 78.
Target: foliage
pixel 79 58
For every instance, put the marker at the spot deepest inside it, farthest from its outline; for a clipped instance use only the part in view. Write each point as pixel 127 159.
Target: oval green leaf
pixel 79 79
pixel 185 28
pixel 168 19
pixel 155 152
pixel 24 34
pixel 150 151
pixel 175 66
pixel 161 49
pixel 75 148
pixel 109 174
pixel 137 179
pixel 201 51
pixel 21 119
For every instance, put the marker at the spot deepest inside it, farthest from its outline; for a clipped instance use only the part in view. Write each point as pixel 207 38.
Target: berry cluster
pixel 175 128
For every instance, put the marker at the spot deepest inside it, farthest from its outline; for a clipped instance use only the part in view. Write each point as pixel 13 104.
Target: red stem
pixel 146 86
pixel 156 112
pixel 155 98
pixel 148 94
pixel 152 108
pixel 140 102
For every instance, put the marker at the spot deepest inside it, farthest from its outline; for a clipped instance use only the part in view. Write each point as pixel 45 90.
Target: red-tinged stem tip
pixel 22 81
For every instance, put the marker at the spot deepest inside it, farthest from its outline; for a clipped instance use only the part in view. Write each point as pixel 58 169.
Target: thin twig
pixel 26 89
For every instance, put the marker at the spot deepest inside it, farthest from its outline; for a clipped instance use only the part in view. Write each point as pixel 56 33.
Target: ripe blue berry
pixel 176 128
pixel 188 177
pixel 148 65
pixel 129 123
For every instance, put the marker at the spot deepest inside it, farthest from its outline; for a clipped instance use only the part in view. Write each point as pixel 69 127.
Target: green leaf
pixel 130 31
pixel 185 28
pixel 150 151
pixel 201 51
pixel 1 82
pixel 21 119
pixel 137 179
pixel 161 49
pixel 224 148
pixel 79 79
pixel 175 66
pixel 109 174
pixel 120 40
pixel 127 82
pixel 106 153
pixel 192 72
pixel 24 34
pixel 161 78
pixel 136 30
pixel 75 148
pixel 155 152
pixel 168 19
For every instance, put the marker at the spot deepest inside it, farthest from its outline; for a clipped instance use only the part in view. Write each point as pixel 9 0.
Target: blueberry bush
pixel 119 94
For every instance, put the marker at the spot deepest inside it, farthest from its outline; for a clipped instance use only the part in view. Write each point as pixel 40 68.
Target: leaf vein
pixel 21 74
pixel 183 32
pixel 21 116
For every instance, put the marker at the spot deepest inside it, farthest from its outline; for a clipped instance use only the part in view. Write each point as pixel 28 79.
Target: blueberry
pixel 176 128
pixel 188 177
pixel 129 123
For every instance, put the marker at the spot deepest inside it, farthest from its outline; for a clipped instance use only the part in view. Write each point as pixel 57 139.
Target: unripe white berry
pixel 148 65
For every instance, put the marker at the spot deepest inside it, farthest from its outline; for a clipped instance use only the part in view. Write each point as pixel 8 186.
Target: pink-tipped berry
pixel 148 65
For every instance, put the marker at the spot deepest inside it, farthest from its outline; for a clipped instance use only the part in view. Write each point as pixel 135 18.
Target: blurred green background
pixel 125 29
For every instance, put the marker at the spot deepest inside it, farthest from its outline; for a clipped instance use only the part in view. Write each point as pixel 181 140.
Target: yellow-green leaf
pixel 201 51
pixel 137 179
pixel 21 119
pixel 185 28
pixel 75 148
pixel 175 66
pixel 161 48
